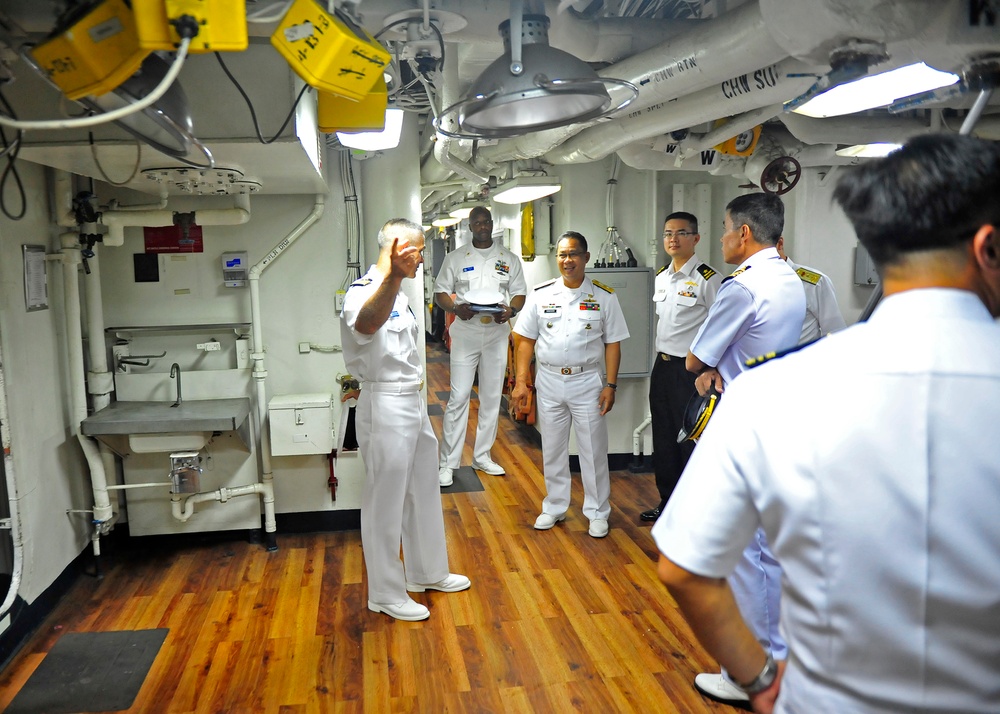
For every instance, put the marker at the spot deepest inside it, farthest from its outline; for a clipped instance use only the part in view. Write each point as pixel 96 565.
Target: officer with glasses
pixel 574 326
pixel 489 288
pixel 683 291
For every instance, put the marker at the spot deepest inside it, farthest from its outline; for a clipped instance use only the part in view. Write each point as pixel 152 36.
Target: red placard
pixel 170 239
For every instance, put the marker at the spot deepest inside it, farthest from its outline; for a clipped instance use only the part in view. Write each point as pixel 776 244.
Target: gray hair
pixel 397 228
pixel 764 213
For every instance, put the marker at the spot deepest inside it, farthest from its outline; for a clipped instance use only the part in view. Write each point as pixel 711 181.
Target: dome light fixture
pixel 525 189
pixel 531 87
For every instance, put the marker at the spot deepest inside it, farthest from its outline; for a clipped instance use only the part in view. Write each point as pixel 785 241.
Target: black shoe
pixel 652 514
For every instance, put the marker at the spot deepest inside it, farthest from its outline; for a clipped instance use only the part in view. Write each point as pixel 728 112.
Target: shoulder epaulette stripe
pixel 808 276
pixel 761 359
pixel 707 271
pixel 661 270
pixel 544 285
pixel 602 286
pixel 361 283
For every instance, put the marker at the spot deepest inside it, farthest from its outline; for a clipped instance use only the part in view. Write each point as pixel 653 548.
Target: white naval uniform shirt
pixel 681 299
pixel 390 355
pixel 868 460
pixel 759 309
pixel 822 312
pixel 571 325
pixel 467 268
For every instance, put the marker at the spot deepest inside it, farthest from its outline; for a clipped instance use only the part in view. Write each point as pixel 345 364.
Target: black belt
pixel 669 358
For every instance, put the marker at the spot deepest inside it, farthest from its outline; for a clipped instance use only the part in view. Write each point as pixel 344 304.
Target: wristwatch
pixel 613 386
pixel 763 680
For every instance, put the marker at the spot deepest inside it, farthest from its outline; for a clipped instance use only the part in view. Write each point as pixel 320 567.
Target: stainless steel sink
pixel 144 427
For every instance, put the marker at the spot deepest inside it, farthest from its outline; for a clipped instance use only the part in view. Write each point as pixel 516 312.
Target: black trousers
pixel 670 388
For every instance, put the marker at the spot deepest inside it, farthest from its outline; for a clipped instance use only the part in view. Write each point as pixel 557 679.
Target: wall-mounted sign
pixel 36 289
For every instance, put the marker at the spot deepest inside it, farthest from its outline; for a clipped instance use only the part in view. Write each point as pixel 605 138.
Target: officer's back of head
pixel 932 194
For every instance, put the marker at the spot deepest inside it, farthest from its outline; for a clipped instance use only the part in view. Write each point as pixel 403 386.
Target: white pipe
pixel 257 355
pixel 13 497
pixel 640 155
pixel 63 194
pixel 70 257
pixel 733 127
pixel 736 94
pixel 182 507
pixel 852 129
pixel 444 144
pixel 117 221
pixel 637 435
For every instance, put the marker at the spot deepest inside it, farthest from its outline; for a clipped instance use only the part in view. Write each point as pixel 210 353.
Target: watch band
pixel 763 680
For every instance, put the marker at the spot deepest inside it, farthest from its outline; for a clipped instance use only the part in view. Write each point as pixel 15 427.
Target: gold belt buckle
pixel 664 356
pixel 486 320
pixel 566 370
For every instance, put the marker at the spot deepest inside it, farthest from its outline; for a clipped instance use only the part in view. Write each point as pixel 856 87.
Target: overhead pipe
pixel 852 129
pixel 734 126
pixel 644 156
pixel 743 92
pixel 443 144
pixel 117 221
pixel 260 373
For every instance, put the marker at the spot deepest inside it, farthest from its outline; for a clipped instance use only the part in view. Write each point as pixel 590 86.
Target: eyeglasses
pixel 678 234
pixel 569 256
pixel 485 222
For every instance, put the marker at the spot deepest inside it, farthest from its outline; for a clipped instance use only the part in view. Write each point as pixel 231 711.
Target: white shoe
pixel 411 611
pixel 545 521
pixel 489 466
pixel 717 687
pixel 452 584
pixel 598 528
pixel 445 477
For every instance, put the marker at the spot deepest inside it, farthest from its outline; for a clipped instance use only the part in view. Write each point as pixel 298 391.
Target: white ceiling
pixel 681 54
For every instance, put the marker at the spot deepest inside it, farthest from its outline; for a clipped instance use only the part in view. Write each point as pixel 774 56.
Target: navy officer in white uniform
pixel 574 326
pixel 822 311
pixel 401 502
pixel 478 340
pixel 870 459
pixel 683 291
pixel 759 309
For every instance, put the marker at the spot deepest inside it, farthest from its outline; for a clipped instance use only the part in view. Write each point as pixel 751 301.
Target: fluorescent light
pixel 525 189
pixel 868 151
pixel 463 209
pixel 877 90
pixel 444 220
pixel 388 138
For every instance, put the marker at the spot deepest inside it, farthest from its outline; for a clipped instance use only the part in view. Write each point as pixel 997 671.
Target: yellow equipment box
pixel 95 54
pixel 337 113
pixel 222 24
pixel 329 52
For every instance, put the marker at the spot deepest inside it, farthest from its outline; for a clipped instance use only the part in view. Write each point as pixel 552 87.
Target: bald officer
pixel 572 324
pixel 478 340
pixel 683 291
pixel 400 503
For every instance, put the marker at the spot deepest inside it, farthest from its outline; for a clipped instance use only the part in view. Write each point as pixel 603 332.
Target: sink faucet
pixel 175 371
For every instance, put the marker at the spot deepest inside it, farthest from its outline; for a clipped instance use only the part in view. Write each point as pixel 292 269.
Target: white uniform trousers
pixel 401 501
pixel 474 345
pixel 756 584
pixel 573 399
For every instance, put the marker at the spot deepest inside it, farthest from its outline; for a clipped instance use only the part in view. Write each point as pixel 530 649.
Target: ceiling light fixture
pixel 531 87
pixel 524 189
pixel 877 90
pixel 463 209
pixel 868 151
pixel 443 220
pixel 388 138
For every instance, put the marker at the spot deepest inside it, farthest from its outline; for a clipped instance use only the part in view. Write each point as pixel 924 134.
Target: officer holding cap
pixel 572 324
pixel 489 289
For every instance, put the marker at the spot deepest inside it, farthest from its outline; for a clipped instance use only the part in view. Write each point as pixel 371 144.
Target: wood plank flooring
pixel 555 621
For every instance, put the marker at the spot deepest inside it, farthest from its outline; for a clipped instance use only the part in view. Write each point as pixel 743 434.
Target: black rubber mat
pixel 90 672
pixel 466 481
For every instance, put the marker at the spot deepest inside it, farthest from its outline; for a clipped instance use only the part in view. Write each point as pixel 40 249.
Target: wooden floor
pixel 555 621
